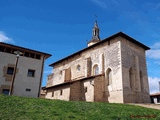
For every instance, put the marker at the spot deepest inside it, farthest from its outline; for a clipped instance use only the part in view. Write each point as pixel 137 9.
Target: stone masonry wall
pixel 105 56
pixel 133 57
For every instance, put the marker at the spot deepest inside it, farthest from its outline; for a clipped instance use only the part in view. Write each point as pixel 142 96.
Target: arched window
pixel 131 80
pixel 78 67
pixel 96 70
pixel 109 76
pixel 60 72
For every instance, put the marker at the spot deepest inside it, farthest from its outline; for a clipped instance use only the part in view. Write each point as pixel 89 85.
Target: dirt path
pixel 154 106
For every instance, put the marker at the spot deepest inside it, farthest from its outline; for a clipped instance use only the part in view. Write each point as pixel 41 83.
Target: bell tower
pixel 95 35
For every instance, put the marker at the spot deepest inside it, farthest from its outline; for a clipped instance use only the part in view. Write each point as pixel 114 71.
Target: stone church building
pixel 111 70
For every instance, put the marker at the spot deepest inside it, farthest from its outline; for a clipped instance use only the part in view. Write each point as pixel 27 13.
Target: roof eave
pixel 104 40
pixel 27 49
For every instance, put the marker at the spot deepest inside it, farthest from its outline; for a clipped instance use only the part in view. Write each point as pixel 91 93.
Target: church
pixel 111 70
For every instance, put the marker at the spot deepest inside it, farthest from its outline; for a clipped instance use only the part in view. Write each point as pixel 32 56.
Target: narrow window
pixel 5 91
pixel 31 73
pixel 109 42
pixel 85 89
pixel 96 69
pixel 109 76
pixel 10 70
pixel 53 94
pixel 78 68
pixel 28 90
pixel 60 72
pixel 61 92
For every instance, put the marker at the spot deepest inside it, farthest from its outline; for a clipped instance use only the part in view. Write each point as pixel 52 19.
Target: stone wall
pixel 100 94
pixel 77 93
pixel 88 89
pixel 135 83
pixel 60 92
pixel 105 56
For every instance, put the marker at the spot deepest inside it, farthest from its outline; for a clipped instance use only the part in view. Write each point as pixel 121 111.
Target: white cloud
pixel 157 44
pixel 5 38
pixel 155 54
pixel 154 84
pixel 48 72
pixel 100 3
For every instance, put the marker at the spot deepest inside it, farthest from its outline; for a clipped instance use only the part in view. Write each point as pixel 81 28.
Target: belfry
pixel 95 35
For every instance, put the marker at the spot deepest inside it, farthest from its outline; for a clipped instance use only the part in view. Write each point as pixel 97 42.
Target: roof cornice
pixel 25 49
pixel 103 41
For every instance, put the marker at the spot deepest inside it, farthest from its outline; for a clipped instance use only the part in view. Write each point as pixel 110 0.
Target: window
pixel 60 72
pixel 26 54
pixel 32 55
pixel 28 90
pixel 61 92
pixel 31 73
pixel 109 76
pixel 109 42
pixel 5 91
pixel 38 56
pixel 53 94
pixel 85 89
pixel 2 48
pixel 78 68
pixel 96 69
pixel 10 70
pixel 8 50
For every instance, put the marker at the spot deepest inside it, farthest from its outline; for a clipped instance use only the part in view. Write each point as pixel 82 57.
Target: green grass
pixel 21 108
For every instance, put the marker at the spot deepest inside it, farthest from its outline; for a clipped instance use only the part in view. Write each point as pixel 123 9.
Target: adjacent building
pixel 28 68
pixel 155 98
pixel 111 70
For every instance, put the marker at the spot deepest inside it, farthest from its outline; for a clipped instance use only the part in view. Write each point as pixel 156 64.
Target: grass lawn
pixel 21 108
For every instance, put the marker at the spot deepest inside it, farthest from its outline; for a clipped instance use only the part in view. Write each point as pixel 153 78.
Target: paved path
pixel 154 106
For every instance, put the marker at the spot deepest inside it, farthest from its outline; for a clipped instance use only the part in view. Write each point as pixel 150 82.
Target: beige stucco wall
pixel 82 90
pixel 56 93
pixel 89 93
pixel 22 81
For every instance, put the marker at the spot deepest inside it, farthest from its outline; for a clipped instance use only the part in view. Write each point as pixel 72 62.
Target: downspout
pixel 40 83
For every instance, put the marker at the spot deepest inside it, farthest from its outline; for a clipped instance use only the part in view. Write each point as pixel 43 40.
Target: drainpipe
pixel 40 83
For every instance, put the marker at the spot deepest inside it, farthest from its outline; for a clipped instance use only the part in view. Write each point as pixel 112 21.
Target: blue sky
pixel 62 27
